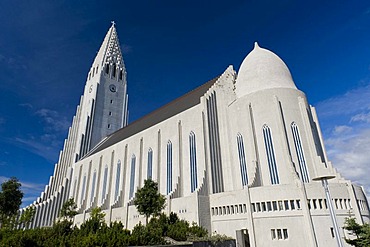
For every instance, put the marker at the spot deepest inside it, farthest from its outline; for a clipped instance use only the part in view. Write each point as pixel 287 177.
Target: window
pixel 108 126
pixel 120 75
pixel 132 178
pixel 118 175
pixel 279 235
pixel 104 189
pixel 242 162
pixel 314 203
pixel 258 207
pixel 193 162
pixel 274 205
pixel 83 189
pixel 150 163
pixel 332 232
pixel 169 167
pixel 114 70
pixel 270 155
pixel 263 204
pixel 285 233
pixel 300 155
pixel 298 204
pixel 273 234
pixel 269 208
pixel 93 187
pixel 75 186
pixel 286 205
pixel 320 203
pixel 106 68
pixel 281 207
pixel 110 113
pixel 292 204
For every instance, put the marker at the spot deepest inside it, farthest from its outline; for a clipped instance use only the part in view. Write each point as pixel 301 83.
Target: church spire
pixel 110 52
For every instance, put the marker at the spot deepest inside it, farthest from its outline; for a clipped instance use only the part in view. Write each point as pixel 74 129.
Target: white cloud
pixel 352 102
pixel 44 150
pixel 342 129
pixel 54 122
pixel 345 119
pixel 362 117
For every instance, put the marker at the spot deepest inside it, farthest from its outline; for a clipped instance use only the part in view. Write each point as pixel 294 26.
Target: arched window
pixel 93 187
pixel 298 147
pixel 104 188
pixel 193 162
pixel 132 178
pixel 150 164
pixel 169 167
pixel 118 175
pixel 83 189
pixel 274 176
pixel 242 162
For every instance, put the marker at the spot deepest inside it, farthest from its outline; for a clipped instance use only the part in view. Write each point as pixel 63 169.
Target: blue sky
pixel 171 47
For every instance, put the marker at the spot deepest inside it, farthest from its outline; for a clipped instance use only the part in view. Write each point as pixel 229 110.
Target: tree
pixel 148 200
pixel 361 232
pixel 10 200
pixel 68 210
pixel 27 216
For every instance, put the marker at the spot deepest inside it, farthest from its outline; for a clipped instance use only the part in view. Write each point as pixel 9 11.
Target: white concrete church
pixel 240 155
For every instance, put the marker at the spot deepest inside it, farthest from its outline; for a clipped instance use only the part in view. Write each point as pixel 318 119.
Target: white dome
pixel 262 69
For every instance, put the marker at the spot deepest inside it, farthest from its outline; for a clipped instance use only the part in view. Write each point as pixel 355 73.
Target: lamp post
pixel 324 182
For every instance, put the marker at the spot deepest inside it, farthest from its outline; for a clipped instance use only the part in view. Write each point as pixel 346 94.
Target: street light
pixel 324 182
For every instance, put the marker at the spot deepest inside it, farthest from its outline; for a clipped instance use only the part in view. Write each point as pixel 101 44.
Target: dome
pixel 262 69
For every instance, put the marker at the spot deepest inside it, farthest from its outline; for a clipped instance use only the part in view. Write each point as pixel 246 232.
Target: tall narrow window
pixel 150 164
pixel 74 188
pixel 193 163
pixel 93 187
pixel 104 188
pixel 298 147
pixel 83 189
pixel 132 178
pixel 169 167
pixel 107 68
pixel 118 175
pixel 114 70
pixel 274 176
pixel 242 162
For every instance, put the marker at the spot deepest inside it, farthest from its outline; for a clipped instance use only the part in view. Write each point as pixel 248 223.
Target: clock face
pixel 112 88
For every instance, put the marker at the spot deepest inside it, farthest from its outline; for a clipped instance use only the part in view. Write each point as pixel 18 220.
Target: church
pixel 241 155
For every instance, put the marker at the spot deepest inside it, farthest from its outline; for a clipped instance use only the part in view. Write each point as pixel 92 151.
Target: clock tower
pixel 102 111
pixel 104 103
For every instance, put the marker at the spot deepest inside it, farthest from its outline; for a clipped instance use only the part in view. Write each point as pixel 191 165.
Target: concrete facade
pixel 241 155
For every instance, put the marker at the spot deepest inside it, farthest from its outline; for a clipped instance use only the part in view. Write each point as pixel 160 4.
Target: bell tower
pixel 102 111
pixel 104 106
